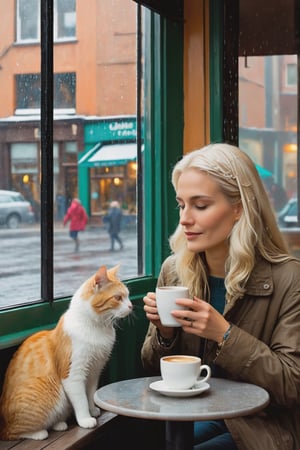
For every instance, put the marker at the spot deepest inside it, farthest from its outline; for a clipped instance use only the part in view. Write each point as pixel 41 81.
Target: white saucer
pixel 159 386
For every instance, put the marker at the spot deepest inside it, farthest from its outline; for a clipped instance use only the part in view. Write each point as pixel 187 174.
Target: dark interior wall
pixel 172 9
pixel 269 27
pixel 5 356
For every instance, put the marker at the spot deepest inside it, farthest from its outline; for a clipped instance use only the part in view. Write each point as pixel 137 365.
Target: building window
pixel 65 19
pixel 291 74
pixel 64 90
pixel 23 159
pixel 25 179
pixel 28 91
pixel 28 20
pixel 28 13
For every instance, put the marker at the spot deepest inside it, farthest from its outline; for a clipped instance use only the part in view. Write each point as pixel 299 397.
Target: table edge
pixel 188 417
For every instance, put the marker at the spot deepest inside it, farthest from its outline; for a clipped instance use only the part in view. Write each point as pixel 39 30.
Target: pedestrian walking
pixel 114 219
pixel 78 218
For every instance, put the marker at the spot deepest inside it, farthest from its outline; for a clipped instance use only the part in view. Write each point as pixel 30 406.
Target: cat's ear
pixel 100 278
pixel 112 273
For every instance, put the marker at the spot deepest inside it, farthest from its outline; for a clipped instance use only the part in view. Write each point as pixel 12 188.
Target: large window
pixel 269 104
pixel 114 74
pixel 95 98
pixel 268 123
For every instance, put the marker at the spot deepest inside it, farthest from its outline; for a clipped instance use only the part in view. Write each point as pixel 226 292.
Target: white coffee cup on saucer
pixel 166 297
pixel 182 372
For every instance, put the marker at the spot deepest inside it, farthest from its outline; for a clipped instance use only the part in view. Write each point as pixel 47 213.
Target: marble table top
pixel 224 399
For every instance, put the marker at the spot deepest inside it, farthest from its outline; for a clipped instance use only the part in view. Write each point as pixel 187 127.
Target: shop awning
pixel 109 155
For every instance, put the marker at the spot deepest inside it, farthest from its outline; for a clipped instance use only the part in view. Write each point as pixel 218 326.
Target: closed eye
pixel 200 207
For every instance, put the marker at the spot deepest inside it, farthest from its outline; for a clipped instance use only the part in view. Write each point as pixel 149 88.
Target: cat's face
pixel 106 295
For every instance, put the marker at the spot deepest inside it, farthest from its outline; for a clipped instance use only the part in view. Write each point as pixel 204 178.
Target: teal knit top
pixel 217 293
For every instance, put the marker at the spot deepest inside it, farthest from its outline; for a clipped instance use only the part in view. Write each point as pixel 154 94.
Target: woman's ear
pixel 238 209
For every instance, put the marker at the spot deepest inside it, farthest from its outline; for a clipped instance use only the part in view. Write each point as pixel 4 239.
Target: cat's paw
pixel 95 412
pixel 87 422
pixel 60 426
pixel 36 435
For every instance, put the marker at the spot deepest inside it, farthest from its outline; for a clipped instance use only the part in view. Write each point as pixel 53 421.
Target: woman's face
pixel 206 215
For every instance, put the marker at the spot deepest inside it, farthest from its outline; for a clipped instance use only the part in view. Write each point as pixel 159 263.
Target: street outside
pixel 20 269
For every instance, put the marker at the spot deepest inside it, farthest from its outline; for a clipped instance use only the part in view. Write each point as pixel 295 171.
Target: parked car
pixel 14 209
pixel 288 216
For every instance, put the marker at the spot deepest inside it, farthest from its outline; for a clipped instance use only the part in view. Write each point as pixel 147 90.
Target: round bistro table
pixel 224 399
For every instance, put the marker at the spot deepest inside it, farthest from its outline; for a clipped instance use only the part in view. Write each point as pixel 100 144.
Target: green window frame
pixel 163 123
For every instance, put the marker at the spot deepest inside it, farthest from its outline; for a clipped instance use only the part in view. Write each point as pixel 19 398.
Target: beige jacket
pixel 263 348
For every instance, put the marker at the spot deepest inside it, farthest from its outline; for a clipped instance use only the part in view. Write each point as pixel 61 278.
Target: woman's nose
pixel 186 216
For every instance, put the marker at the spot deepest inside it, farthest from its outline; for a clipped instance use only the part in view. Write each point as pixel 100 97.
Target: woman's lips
pixel 191 236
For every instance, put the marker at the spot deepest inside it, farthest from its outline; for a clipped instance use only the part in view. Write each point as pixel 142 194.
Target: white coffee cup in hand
pixel 166 297
pixel 180 372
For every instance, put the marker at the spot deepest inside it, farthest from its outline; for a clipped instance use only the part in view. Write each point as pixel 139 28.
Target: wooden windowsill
pixel 73 438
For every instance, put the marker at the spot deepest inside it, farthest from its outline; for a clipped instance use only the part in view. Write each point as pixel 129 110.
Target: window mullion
pixel 47 150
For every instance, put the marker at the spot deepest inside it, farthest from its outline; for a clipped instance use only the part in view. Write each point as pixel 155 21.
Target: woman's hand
pixel 201 319
pixel 152 315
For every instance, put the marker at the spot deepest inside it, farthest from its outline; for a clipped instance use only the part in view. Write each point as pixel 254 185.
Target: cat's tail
pixel 5 435
pixel 2 427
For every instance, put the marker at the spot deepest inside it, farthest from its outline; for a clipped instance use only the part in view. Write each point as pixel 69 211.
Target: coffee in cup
pixel 166 297
pixel 182 372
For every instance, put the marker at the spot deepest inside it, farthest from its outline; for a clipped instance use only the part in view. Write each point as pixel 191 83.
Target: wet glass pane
pixel 268 100
pixel 97 150
pixel 20 262
pixel 94 143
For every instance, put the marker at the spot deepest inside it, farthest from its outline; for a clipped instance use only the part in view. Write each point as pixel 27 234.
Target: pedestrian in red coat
pixel 78 218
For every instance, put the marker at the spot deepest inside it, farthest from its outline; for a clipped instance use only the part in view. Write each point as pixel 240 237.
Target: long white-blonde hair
pixel 255 233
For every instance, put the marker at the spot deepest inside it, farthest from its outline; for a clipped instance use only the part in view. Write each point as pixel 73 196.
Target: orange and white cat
pixel 57 371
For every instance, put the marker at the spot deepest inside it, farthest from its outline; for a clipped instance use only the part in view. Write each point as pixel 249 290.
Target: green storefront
pixel 107 169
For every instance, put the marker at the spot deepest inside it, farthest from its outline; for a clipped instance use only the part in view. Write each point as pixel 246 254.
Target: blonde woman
pixel 244 311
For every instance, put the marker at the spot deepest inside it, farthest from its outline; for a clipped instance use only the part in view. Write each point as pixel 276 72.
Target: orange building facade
pixel 94 78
